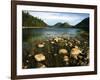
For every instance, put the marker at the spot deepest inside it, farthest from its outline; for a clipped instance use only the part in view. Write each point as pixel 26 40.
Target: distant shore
pixel 33 27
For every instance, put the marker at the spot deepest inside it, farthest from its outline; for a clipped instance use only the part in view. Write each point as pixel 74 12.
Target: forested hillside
pixel 31 21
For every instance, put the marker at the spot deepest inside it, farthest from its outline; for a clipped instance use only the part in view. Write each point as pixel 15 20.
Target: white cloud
pixel 52 18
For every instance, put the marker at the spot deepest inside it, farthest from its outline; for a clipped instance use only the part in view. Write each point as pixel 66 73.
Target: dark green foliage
pixel 66 25
pixel 31 21
pixel 83 24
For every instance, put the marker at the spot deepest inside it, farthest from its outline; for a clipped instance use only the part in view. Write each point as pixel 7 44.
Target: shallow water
pixel 32 37
pixel 45 33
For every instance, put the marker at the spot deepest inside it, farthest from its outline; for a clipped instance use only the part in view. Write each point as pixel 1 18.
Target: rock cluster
pixel 56 52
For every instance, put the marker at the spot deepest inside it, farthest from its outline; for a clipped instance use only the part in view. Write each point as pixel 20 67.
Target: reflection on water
pixel 45 33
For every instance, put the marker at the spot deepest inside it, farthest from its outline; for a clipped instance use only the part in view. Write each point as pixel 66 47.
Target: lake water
pixel 45 33
pixel 34 37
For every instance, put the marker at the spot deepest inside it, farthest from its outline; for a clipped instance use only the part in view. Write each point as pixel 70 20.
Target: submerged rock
pixel 63 51
pixel 66 58
pixel 40 65
pixel 39 57
pixel 57 39
pixel 75 52
pixel 41 45
pixel 56 52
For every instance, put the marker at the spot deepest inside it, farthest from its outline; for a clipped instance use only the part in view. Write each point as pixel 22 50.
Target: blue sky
pixel 52 18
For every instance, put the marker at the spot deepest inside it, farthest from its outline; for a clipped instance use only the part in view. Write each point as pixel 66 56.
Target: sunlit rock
pixel 65 40
pixel 66 58
pixel 70 44
pixel 63 51
pixel 39 57
pixel 52 42
pixel 78 41
pixel 67 63
pixel 76 47
pixel 55 54
pixel 57 39
pixel 66 44
pixel 75 52
pixel 41 45
pixel 29 55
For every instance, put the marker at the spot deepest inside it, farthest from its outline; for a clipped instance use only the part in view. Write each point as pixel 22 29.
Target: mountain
pixel 61 25
pixel 84 24
pixel 58 24
pixel 31 21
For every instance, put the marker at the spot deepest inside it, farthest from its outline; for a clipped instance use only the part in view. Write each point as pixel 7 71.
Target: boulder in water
pixel 63 51
pixel 39 57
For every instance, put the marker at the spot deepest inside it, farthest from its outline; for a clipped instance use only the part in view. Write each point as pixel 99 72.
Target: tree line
pixel 31 21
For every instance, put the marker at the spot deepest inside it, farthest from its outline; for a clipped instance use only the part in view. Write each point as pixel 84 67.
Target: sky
pixel 52 18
